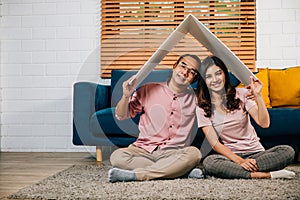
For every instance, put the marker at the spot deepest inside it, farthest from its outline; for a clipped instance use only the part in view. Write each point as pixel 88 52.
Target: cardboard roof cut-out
pixel 193 26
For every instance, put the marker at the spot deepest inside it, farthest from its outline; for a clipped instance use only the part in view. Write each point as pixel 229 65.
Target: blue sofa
pixel 94 122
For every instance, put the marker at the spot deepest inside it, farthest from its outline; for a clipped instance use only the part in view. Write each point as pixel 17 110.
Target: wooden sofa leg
pixel 98 154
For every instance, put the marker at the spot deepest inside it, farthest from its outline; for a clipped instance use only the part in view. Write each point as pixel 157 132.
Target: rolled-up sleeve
pixel 134 107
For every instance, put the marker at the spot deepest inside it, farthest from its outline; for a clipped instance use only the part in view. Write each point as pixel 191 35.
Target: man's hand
pixel 129 88
pixel 122 109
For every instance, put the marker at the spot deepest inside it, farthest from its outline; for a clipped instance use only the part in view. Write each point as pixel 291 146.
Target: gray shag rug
pixel 91 182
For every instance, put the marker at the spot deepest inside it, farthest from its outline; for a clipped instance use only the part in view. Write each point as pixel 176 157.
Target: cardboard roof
pixel 198 30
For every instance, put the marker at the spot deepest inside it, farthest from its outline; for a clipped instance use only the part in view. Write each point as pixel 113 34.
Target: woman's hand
pixel 256 86
pixel 249 164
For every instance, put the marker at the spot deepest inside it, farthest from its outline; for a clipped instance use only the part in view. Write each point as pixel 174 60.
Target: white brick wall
pixel 0 87
pixel 278 33
pixel 47 45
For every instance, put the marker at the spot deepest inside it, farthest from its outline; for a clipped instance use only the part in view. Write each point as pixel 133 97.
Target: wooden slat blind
pixel 132 31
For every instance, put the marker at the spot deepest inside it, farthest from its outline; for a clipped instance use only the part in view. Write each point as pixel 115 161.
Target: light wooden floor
pixel 18 170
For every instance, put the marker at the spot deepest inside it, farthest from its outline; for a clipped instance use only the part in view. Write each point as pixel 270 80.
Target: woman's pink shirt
pixel 234 128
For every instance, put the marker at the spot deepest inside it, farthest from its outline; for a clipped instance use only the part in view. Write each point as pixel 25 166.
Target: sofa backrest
pixel 119 76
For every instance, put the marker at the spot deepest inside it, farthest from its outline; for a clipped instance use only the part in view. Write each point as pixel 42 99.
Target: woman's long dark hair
pixel 202 91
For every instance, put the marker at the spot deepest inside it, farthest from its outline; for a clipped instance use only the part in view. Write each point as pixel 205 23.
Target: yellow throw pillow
pixel 284 86
pixel 263 76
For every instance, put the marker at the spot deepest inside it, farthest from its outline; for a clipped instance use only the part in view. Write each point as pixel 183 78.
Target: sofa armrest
pixel 87 98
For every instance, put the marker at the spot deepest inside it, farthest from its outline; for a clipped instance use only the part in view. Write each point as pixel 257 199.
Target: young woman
pixel 224 115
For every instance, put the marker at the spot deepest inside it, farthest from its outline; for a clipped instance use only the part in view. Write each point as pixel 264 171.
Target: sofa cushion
pixel 285 87
pixel 263 76
pixel 233 80
pixel 119 76
pixel 104 121
pixel 283 121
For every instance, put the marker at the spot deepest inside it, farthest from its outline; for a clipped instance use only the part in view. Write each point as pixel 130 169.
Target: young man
pixel 162 149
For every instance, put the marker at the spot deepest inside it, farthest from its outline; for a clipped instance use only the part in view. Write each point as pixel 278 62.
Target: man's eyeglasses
pixel 190 71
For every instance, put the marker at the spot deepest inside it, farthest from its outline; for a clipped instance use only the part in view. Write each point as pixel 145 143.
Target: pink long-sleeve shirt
pixel 234 128
pixel 167 119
